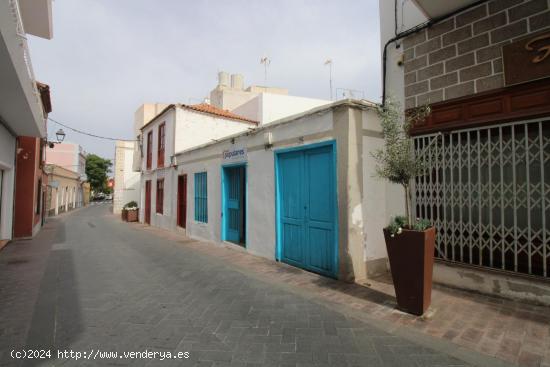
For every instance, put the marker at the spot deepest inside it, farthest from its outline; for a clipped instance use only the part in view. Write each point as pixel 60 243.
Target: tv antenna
pixel 265 61
pixel 329 63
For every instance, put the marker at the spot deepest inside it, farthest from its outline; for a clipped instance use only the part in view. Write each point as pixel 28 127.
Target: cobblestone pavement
pixel 516 332
pixel 89 282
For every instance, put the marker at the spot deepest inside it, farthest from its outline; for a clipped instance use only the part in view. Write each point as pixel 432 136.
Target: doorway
pixel 148 201
pixel 234 204
pixel 307 232
pixel 182 200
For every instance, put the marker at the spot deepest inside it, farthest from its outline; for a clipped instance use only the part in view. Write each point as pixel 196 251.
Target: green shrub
pixel 396 161
pixel 131 204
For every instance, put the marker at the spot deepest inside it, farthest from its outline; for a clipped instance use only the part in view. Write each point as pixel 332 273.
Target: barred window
pixel 160 196
pixel 201 197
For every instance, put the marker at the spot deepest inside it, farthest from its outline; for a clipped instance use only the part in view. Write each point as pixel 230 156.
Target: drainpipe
pixel 415 29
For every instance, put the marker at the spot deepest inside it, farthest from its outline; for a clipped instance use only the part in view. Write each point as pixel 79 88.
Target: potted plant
pixel 130 212
pixel 410 244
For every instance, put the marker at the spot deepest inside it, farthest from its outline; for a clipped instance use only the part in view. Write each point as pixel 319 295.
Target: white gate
pixel 487 190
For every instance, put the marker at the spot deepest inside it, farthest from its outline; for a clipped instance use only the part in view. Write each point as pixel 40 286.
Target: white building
pixel 21 111
pixel 127 185
pixel 176 128
pixel 269 107
pixel 230 92
pixel 145 113
pixel 299 190
pixel 258 103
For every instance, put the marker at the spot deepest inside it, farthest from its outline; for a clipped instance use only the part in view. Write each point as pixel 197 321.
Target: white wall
pixel 166 219
pixel 381 199
pixel 276 106
pixel 408 16
pixel 168 117
pixel 145 113
pixel 260 209
pixel 251 110
pixel 20 104
pixel 127 181
pixel 131 178
pixel 184 130
pixel 7 159
pixel 160 220
pixel 228 98
pixel 194 128
pixel 269 107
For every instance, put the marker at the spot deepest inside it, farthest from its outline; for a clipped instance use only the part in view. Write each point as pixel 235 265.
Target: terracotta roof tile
pixel 207 108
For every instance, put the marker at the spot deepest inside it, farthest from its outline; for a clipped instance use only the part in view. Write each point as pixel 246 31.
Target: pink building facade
pixel 69 156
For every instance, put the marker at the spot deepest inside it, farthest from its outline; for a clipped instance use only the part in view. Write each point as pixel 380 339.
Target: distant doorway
pixel 148 201
pixel 234 204
pixel 182 200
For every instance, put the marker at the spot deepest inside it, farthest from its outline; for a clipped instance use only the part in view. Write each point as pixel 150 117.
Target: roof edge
pixel 236 118
pixel 191 108
pixel 354 103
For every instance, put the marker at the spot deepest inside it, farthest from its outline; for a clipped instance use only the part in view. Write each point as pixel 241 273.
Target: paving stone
pixel 149 292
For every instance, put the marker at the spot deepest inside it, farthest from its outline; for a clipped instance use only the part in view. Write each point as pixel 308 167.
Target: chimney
pixel 237 81
pixel 223 79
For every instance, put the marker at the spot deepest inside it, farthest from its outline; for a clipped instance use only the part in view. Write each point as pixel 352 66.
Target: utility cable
pixel 85 133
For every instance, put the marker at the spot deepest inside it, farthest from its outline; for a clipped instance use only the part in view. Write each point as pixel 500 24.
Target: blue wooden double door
pixel 234 204
pixel 308 209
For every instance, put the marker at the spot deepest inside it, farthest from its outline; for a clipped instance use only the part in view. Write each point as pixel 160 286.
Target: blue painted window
pixel 201 197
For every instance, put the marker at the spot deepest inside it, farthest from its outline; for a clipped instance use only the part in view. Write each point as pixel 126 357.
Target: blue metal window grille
pixel 201 197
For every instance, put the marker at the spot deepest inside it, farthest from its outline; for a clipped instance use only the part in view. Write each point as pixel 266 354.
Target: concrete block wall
pixel 462 55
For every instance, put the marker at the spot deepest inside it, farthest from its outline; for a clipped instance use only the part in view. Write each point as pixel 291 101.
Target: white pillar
pixel 74 197
pixel 57 201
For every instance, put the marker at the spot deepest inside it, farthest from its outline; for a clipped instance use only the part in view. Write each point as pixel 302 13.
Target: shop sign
pixel 527 59
pixel 235 154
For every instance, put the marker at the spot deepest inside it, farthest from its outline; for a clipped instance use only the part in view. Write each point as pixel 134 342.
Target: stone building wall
pixel 462 55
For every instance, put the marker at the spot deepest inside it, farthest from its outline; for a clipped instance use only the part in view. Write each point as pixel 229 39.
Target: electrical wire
pixel 85 133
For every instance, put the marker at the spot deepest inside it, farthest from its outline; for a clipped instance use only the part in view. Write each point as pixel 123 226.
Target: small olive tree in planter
pixel 130 212
pixel 410 243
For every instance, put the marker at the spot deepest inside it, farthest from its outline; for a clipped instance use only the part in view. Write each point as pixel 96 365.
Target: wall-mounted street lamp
pixel 60 136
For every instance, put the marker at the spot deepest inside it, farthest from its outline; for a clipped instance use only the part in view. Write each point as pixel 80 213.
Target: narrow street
pixel 89 283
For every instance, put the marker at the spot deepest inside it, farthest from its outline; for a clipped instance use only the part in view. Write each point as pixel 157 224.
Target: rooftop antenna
pixel 329 63
pixel 266 61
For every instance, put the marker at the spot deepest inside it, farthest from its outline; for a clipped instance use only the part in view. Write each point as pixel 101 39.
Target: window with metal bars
pixel 149 149
pixel 487 191
pixel 201 197
pixel 161 145
pixel 160 196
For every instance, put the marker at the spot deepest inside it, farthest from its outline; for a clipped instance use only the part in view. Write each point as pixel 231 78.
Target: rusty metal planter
pixel 411 255
pixel 124 215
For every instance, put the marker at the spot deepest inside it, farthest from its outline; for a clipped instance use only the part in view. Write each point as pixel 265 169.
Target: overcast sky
pixel 107 57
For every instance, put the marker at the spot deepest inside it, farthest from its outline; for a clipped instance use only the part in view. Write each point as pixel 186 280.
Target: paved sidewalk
pixel 515 332
pixel 89 283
